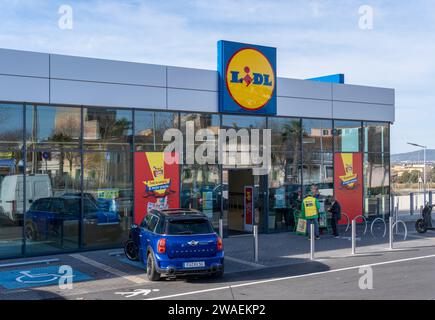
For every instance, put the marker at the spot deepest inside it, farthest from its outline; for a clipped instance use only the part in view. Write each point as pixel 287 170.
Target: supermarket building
pixel 82 149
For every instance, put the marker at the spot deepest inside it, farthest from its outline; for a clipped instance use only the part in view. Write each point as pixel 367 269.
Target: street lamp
pixel 424 169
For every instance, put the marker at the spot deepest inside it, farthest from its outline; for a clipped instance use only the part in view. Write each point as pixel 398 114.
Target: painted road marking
pixel 248 263
pixel 23 263
pixel 116 272
pixel 36 277
pixel 291 277
pixel 137 292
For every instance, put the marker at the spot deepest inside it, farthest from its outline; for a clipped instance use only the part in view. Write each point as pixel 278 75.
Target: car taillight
pixel 161 246
pixel 220 244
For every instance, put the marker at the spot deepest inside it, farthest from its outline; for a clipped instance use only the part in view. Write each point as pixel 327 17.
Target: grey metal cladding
pixel 109 71
pixel 24 63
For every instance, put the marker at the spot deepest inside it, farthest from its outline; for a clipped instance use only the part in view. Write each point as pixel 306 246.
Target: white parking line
pixel 291 277
pixel 248 263
pixel 108 269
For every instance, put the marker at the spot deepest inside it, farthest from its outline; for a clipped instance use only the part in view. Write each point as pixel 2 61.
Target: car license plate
pixel 195 264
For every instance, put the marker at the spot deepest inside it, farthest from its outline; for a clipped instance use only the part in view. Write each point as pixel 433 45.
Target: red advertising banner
pixel 348 183
pixel 249 208
pixel 156 183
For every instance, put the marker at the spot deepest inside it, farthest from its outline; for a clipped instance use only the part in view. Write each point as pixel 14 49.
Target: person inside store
pixel 335 210
pixel 310 211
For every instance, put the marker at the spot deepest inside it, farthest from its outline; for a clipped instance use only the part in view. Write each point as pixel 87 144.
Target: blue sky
pixel 312 37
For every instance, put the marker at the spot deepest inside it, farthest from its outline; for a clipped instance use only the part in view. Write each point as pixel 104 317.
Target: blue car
pixel 60 216
pixel 176 242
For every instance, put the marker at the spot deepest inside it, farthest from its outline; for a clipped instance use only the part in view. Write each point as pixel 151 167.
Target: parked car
pixel 12 192
pixel 61 215
pixel 176 242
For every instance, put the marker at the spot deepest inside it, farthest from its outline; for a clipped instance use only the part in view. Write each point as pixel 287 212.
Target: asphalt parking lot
pixel 284 258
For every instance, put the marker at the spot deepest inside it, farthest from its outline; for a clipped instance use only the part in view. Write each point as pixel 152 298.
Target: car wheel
pixel 219 274
pixel 30 232
pixel 420 226
pixel 131 250
pixel 152 273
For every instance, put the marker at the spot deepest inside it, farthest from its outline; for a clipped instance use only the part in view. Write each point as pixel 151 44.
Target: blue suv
pixel 176 242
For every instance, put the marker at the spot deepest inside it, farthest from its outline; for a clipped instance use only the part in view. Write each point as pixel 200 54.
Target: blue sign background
pixel 8 279
pixel 226 49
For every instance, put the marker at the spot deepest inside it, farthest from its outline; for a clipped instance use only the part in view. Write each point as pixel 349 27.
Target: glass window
pixel 246 150
pixel 376 137
pixel 201 190
pixel 107 129
pixel 377 183
pixel 11 205
pixel 201 121
pixel 11 126
pixel 317 135
pixel 318 174
pixel 284 191
pixel 107 178
pixel 347 136
pixel 150 127
pixel 52 127
pixel 286 134
pixel 52 201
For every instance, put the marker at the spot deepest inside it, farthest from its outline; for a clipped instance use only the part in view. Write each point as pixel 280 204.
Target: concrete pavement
pixel 282 255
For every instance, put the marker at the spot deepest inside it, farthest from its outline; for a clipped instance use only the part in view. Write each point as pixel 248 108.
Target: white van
pixel 12 192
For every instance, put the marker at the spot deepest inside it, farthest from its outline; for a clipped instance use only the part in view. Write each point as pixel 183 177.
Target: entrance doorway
pixel 238 179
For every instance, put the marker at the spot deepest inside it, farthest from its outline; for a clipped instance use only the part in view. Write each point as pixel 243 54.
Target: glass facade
pixel 67 173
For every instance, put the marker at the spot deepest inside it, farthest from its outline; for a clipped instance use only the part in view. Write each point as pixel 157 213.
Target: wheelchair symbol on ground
pixel 38 277
pixel 27 277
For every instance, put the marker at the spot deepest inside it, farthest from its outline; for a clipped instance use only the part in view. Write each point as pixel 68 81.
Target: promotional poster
pixel 348 183
pixel 156 183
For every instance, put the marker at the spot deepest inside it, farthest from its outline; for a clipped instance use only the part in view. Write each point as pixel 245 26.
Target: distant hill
pixel 414 156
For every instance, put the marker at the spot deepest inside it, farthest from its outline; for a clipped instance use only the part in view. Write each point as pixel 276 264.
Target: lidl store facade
pixel 82 149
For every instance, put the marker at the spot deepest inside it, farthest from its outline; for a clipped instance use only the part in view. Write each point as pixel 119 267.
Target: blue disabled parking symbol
pixel 38 277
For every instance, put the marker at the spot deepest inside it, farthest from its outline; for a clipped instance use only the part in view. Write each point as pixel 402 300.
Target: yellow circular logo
pixel 250 79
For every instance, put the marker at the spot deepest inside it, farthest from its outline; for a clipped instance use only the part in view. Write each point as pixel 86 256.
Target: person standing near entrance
pixel 335 210
pixel 310 212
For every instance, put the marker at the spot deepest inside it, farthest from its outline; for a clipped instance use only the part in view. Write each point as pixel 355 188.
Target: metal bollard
pixel 391 233
pixel 221 228
pixel 353 236
pixel 312 239
pixel 255 243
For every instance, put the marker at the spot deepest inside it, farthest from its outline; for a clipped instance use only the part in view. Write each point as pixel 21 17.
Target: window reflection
pixel 107 129
pixel 150 127
pixel 52 127
pixel 108 197
pixel 317 135
pixel 347 136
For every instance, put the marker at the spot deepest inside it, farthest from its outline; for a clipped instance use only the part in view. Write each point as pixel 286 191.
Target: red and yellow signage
pixel 250 79
pixel 247 75
pixel 249 208
pixel 156 183
pixel 348 183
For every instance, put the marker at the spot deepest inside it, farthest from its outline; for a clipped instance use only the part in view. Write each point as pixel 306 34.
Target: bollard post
pixel 353 236
pixel 221 228
pixel 411 203
pixel 312 239
pixel 255 229
pixel 391 233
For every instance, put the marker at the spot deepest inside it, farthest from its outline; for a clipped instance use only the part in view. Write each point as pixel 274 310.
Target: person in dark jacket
pixel 335 210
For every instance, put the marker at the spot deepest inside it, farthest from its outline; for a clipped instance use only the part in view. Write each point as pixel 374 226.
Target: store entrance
pixel 240 198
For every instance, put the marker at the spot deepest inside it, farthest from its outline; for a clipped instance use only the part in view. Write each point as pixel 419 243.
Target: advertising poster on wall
pixel 156 183
pixel 348 183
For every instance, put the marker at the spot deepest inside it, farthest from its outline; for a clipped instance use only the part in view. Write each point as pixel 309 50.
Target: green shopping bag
pixel 323 220
pixel 302 227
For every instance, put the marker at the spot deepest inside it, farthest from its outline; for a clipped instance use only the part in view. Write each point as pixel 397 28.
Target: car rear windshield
pixel 197 226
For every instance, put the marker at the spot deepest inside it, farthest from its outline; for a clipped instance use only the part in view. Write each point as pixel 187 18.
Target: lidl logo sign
pixel 247 78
